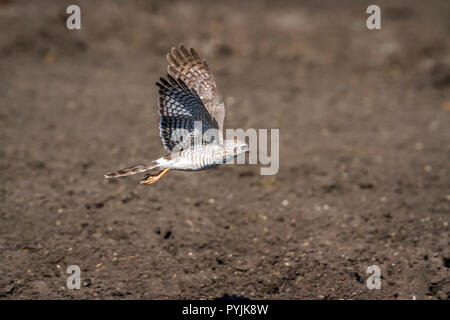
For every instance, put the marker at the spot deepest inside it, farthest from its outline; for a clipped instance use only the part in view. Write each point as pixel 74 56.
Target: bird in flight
pixel 191 112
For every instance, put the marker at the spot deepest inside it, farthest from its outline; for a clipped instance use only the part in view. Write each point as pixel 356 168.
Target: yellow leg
pixel 149 179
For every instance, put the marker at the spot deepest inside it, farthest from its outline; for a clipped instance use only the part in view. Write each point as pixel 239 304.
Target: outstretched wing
pixel 184 118
pixel 195 72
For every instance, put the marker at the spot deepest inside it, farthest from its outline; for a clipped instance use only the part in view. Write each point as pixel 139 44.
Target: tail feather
pixel 133 170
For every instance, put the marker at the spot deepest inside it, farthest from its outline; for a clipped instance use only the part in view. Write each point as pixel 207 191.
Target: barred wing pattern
pixel 179 108
pixel 195 72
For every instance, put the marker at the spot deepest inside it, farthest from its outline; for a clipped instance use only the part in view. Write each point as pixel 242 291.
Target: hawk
pixel 191 112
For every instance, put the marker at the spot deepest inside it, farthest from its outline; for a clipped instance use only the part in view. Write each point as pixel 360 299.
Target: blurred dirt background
pixel 364 119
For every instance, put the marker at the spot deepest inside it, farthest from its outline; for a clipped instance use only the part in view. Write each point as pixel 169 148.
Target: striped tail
pixel 133 170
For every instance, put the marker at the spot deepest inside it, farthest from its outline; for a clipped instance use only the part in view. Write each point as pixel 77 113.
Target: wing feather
pixel 195 73
pixel 179 109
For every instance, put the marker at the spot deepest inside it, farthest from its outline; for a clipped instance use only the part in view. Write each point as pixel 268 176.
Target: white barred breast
pixel 195 158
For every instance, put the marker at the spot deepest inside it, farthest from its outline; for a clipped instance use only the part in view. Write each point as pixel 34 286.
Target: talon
pixel 149 179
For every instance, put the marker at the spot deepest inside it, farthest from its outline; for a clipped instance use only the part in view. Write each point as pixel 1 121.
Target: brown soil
pixel 364 119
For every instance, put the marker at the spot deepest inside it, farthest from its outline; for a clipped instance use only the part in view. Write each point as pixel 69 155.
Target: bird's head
pixel 235 147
